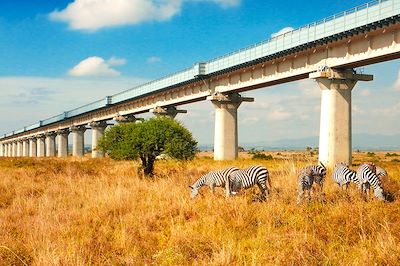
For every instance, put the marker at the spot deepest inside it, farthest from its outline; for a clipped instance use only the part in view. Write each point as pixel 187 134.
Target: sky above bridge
pixel 58 55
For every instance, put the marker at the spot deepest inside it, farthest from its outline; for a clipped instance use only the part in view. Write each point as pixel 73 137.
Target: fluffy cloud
pixel 282 31
pixel 91 15
pixel 96 67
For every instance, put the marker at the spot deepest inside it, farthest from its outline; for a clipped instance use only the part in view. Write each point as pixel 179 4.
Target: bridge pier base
pixel 335 143
pixel 50 144
pixel 25 148
pixel 62 143
pixel 226 128
pixel 78 141
pixel 19 148
pixel 170 111
pixel 41 144
pixel 32 147
pixel 97 132
pixel 1 149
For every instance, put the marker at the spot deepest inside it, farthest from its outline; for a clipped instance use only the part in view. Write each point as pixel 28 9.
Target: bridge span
pixel 328 51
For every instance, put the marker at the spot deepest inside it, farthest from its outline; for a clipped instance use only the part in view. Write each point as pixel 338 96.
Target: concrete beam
pixel 226 128
pixel 62 142
pixel 97 133
pixel 170 111
pixel 78 141
pixel 335 140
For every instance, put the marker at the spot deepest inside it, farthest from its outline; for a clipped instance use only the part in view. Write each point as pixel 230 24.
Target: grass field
pixel 100 212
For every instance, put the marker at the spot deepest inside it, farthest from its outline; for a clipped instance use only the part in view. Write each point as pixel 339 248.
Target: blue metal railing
pixel 356 17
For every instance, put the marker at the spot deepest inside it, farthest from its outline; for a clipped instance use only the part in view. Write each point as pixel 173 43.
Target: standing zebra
pixel 343 175
pixel 367 177
pixel 305 181
pixel 248 177
pixel 212 179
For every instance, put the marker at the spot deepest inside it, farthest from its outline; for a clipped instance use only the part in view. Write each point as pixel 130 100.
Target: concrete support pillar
pixel 32 147
pixel 226 128
pixel 1 149
pixel 335 143
pixel 14 149
pixel 50 144
pixel 25 148
pixel 78 142
pixel 97 132
pixel 41 144
pixel 19 148
pixel 62 139
pixel 10 150
pixel 170 111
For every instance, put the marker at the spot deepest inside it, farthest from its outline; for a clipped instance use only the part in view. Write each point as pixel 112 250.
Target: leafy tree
pixel 147 140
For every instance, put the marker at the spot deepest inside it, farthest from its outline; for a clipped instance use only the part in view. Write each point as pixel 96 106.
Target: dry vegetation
pixel 99 212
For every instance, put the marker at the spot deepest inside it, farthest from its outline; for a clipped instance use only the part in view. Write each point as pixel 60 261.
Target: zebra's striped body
pixel 246 178
pixel 212 179
pixel 343 175
pixel 381 173
pixel 367 177
pixel 305 182
pixel 318 172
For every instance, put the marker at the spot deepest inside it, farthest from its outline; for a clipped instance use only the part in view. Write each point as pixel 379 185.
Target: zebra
pixel 246 178
pixel 318 172
pixel 368 177
pixel 343 175
pixel 212 179
pixel 305 182
pixel 381 173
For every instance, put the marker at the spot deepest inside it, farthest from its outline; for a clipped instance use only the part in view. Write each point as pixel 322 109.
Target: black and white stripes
pixel 367 176
pixel 212 179
pixel 343 175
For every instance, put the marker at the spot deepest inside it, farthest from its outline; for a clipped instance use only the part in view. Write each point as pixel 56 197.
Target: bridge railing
pixel 353 18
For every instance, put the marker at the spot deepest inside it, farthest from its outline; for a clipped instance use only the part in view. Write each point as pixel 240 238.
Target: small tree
pixel 147 140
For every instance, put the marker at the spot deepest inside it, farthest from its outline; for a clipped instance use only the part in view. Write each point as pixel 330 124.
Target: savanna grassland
pixel 101 212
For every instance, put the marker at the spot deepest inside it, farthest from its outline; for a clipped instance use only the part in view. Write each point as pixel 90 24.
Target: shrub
pixel 262 156
pixel 371 154
pixel 391 154
pixel 147 140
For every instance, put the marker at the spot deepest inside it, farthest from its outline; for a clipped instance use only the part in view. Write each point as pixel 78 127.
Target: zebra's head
pixel 371 166
pixel 341 164
pixel 234 184
pixel 379 193
pixel 194 191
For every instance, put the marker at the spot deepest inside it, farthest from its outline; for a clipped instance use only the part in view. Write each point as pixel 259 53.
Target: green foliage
pixel 371 154
pixel 262 156
pixel 391 154
pixel 147 140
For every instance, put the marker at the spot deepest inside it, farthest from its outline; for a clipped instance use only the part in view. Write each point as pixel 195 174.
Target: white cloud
pixel 278 115
pixel 153 59
pixel 96 67
pixel 92 15
pixel 365 93
pixel 282 31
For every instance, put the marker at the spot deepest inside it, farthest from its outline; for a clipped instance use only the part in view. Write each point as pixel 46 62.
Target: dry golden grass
pixel 99 212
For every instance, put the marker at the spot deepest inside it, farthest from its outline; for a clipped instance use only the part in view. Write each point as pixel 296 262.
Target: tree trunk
pixel 148 166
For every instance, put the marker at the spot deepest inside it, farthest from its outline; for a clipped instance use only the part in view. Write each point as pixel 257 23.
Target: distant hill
pixel 360 141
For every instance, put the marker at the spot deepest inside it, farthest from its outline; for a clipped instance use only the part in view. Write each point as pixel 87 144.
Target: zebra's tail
pixel 322 165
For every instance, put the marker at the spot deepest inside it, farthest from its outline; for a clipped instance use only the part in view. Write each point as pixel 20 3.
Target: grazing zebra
pixel 343 175
pixel 212 179
pixel 381 173
pixel 248 177
pixel 318 172
pixel 367 177
pixel 305 182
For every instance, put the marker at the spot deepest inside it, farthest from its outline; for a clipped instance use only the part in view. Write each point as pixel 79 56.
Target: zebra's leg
pixel 212 187
pixel 227 188
pixel 262 188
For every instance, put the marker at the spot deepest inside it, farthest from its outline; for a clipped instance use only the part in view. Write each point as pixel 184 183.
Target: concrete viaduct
pixel 328 51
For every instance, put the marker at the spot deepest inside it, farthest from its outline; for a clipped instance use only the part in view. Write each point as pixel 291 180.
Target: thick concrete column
pixel 335 144
pixel 14 149
pixel 97 132
pixel 25 148
pixel 50 144
pixel 170 111
pixel 226 128
pixel 2 149
pixel 41 144
pixel 10 150
pixel 62 139
pixel 32 147
pixel 78 141
pixel 19 148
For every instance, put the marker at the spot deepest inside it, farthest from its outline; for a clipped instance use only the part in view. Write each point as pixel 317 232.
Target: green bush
pixel 147 140
pixel 262 156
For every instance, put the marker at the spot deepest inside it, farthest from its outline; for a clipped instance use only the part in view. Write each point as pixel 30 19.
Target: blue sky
pixel 55 57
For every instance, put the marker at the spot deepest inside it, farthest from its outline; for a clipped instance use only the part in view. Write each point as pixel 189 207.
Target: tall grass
pixel 100 212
